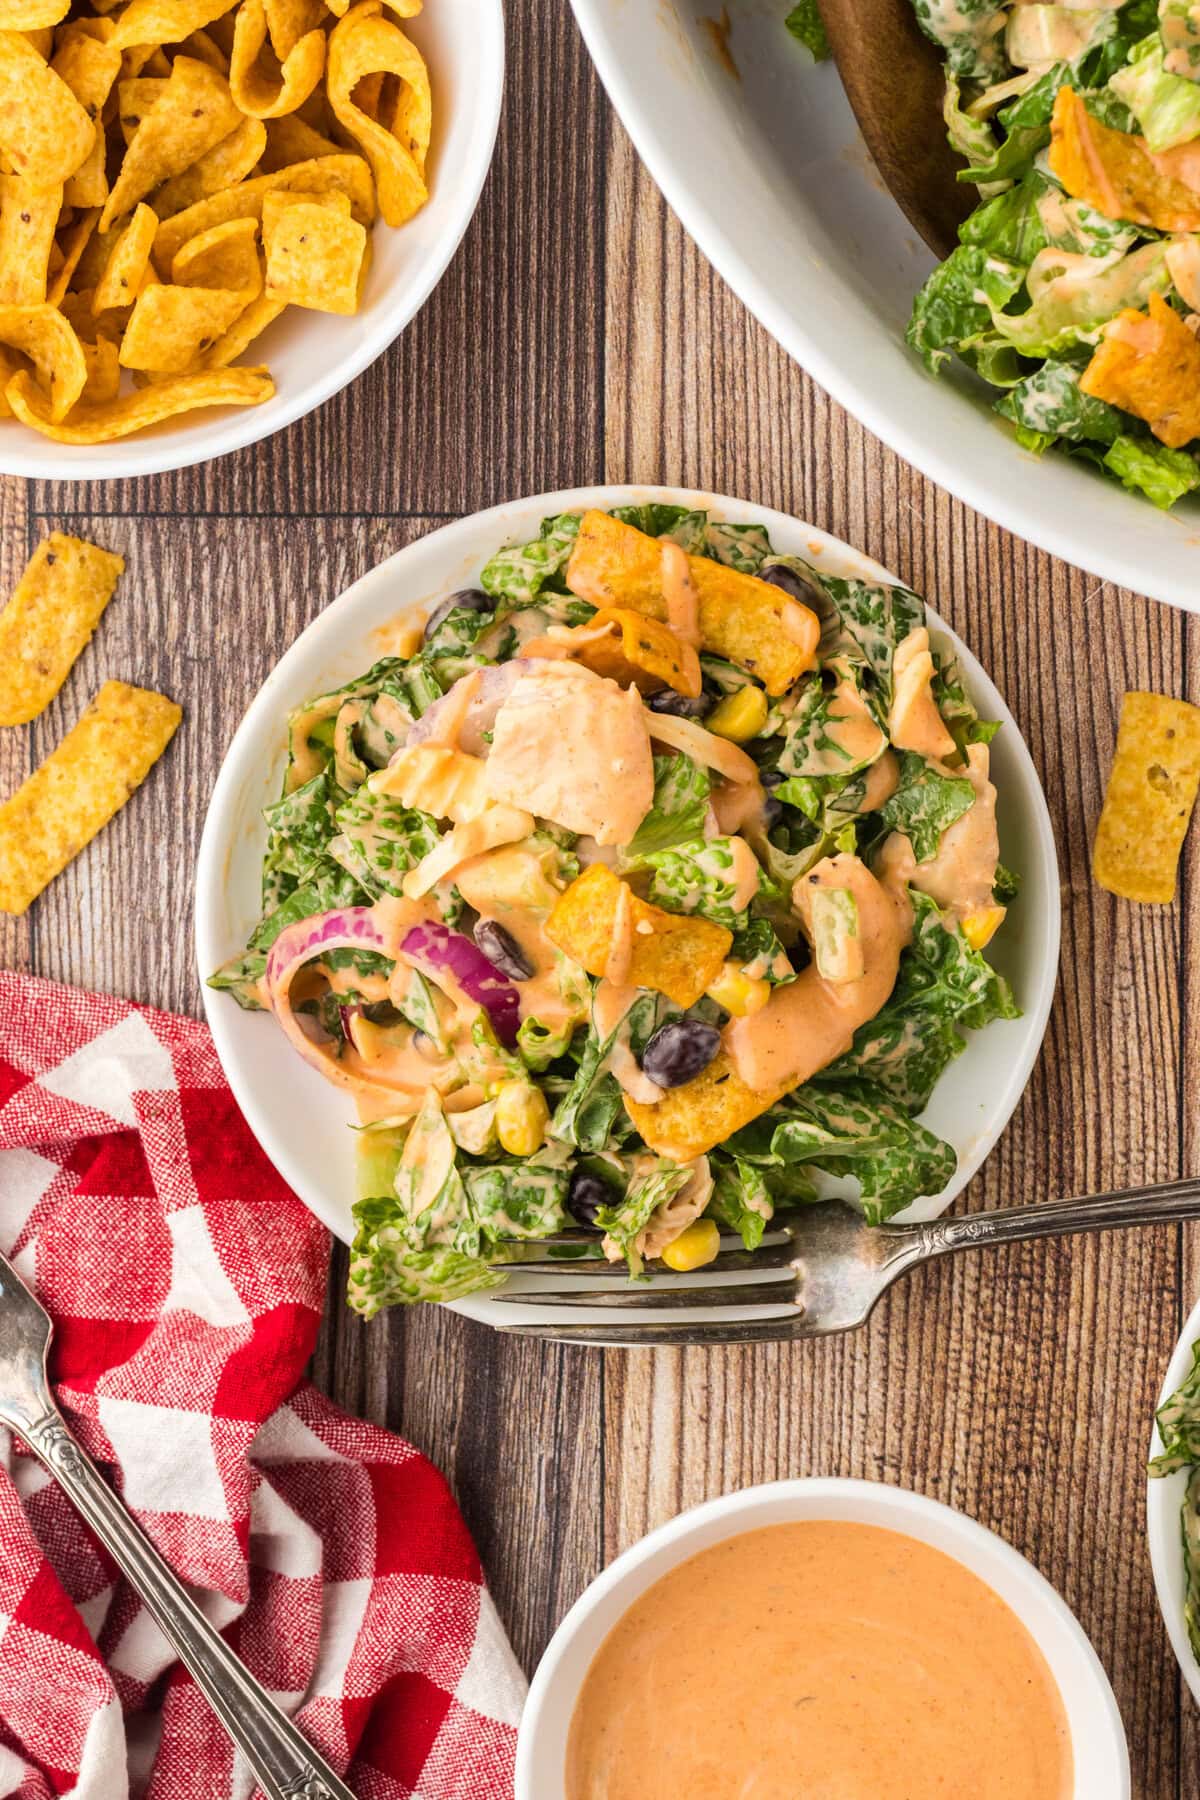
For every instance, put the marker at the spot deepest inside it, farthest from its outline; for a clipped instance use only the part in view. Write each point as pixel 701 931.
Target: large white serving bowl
pixel 1097 1738
pixel 302 1121
pixel 1164 1498
pixel 769 174
pixel 313 355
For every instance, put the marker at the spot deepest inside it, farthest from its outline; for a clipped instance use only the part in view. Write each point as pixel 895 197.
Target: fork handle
pixel 1155 1205
pixel 284 1764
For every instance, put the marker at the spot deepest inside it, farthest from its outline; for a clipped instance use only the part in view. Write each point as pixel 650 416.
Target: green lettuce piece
pixel 971 137
pixel 385 1269
pixel 325 887
pixel 1061 317
pixel 699 877
pixel 805 23
pixel 854 1129
pixel 519 573
pixel 1025 121
pixel 1178 1421
pixel 943 988
pixel 419 1008
pixel 742 547
pixel 625 1218
pixel 812 748
pixel 958 302
pixel 740 1200
pixel 684 525
pixel 299 825
pixel 680 807
pixel 240 977
pixel 1189 1522
pixel 1050 402
pixel 379 840
pixel 521 1198
pixel 1007 884
pixel 970 34
pixel 758 947
pixel 1036 215
pixel 955 704
pixel 1149 468
pixel 1180 32
pixel 1166 106
pixel 588 1112
pixel 925 804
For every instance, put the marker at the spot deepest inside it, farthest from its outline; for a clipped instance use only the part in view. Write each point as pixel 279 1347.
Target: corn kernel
pixel 739 716
pixel 738 992
pixel 693 1248
pixel 980 927
pixel 521 1117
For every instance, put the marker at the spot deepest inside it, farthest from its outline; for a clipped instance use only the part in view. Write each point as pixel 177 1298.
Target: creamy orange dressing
pixel 961 874
pixel 679 592
pixel 822 1660
pixel 619 960
pixel 452 712
pixel 610 1003
pixel 738 805
pixel 810 1021
pixel 744 874
pixel 883 778
pixel 856 732
pixel 914 722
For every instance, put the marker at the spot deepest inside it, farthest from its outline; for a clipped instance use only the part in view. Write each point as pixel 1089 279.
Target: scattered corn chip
pixel 89 65
pixel 80 787
pixel 28 221
pixel 128 260
pixel 222 167
pixel 362 44
pixel 1149 364
pixel 32 15
pixel 260 94
pixel 44 132
pixel 133 412
pixel 241 334
pixel 43 335
pixel 694 1118
pixel 225 256
pixel 346 174
pixel 630 647
pixel 194 111
pixel 676 954
pixel 79 235
pixel 314 257
pixel 158 22
pixel 750 622
pixel 54 609
pixel 1115 172
pixel 172 327
pixel 1148 803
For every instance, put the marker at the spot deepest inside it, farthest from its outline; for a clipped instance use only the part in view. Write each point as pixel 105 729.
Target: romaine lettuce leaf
pixel 379 840
pixel 805 23
pixel 588 1112
pixel 1147 467
pixel 684 525
pixel 970 33
pixel 759 949
pixel 653 1182
pixel 1166 106
pixel 957 303
pixel 1051 402
pixel 520 572
pixel 299 825
pixel 1035 215
pixel 700 877
pixel 1178 1421
pixel 925 803
pixel 386 1270
pixel 1069 307
pixel 521 1198
pixel 681 791
pixel 740 1200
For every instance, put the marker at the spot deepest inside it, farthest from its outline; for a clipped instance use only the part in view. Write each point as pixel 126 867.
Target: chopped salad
pixel 1178 1421
pixel 1075 289
pixel 650 881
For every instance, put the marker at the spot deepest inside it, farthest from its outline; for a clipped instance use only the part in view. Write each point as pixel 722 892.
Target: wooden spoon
pixel 893 76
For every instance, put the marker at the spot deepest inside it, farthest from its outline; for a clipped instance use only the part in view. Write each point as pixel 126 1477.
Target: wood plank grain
pixel 490 393
pixel 1016 1386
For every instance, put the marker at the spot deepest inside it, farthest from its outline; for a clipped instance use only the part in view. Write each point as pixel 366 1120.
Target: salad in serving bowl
pixel 641 887
pixel 1075 289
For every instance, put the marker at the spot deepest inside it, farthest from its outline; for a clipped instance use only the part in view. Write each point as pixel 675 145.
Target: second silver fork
pixel 827 1268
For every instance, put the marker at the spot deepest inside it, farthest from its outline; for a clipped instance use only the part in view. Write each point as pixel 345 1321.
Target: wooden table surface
pixel 578 337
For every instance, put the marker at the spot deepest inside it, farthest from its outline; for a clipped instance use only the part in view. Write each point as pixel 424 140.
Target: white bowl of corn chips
pixel 219 212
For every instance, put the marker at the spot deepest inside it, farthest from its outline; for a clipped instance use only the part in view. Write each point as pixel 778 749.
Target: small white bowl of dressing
pixel 821 1636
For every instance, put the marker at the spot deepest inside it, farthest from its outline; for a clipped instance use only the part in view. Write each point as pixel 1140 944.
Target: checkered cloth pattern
pixel 186 1283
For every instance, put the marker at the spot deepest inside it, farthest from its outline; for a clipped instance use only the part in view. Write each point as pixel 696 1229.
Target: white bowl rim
pixel 839 379
pixel 955 1533
pixel 264 710
pixel 1163 1500
pixel 173 448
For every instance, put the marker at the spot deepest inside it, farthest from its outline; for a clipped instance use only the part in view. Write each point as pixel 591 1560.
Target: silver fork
pixel 832 1268
pixel 285 1766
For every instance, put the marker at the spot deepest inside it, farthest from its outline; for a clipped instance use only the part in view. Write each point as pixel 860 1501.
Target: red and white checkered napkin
pixel 186 1284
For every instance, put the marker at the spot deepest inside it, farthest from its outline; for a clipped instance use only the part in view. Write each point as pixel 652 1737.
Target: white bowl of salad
pixel 628 863
pixel 1173 1501
pixel 754 145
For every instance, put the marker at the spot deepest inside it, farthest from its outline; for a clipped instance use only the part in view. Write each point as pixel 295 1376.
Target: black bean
pixel 586 1195
pixel 795 586
pixel 666 700
pixel 771 777
pixel 502 950
pixel 471 599
pixel 679 1051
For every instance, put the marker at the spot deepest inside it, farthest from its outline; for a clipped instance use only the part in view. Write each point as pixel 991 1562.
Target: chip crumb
pixel 1149 799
